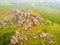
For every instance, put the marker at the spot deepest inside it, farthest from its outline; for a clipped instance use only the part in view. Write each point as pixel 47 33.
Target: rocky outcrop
pixel 24 19
pixel 15 38
pixel 49 37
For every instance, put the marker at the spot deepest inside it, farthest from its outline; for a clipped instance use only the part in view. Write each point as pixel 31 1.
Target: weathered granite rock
pixel 15 38
pixel 24 19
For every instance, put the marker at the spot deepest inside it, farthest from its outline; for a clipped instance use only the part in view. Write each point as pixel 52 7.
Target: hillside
pixel 43 31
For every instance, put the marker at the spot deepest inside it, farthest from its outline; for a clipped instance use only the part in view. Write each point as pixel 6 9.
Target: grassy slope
pixel 51 14
pixel 34 30
pixel 54 16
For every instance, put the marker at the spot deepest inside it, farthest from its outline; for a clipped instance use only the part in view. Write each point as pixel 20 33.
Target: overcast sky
pixel 29 1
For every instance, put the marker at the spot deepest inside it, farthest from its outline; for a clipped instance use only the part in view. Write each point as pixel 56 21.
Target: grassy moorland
pixel 47 13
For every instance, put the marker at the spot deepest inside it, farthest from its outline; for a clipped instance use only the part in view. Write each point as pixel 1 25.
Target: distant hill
pixel 4 4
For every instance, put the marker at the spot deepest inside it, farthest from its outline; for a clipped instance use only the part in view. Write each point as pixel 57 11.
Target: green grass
pixel 4 39
pixel 51 14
